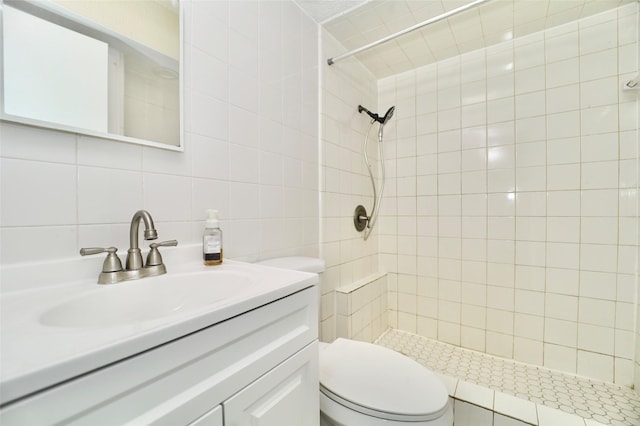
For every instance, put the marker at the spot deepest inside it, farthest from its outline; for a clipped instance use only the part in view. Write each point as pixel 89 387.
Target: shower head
pixel 388 115
pixel 376 117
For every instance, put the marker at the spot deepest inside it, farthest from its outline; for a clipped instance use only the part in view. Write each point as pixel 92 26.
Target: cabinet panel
pixel 287 395
pixel 178 382
pixel 212 418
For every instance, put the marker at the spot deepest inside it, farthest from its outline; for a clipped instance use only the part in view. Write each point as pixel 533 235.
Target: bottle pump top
pixel 212 219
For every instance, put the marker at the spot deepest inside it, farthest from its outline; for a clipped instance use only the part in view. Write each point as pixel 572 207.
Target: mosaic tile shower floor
pixel 604 402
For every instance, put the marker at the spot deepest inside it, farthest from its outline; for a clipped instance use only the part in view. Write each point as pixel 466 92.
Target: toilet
pixel 362 384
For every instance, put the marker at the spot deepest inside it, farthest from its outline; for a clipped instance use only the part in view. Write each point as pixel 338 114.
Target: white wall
pixel 514 226
pixel 636 375
pixel 151 23
pixel 251 151
pixel 345 181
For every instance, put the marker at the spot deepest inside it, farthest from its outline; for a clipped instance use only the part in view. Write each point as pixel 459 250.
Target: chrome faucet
pixel 134 255
pixel 112 271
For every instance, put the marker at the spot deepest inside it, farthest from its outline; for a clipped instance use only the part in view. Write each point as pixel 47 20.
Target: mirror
pixel 104 68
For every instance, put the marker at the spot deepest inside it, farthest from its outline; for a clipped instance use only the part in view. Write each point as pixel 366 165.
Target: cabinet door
pixel 211 418
pixel 286 395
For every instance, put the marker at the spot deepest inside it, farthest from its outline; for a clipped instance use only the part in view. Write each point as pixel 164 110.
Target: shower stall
pixel 509 220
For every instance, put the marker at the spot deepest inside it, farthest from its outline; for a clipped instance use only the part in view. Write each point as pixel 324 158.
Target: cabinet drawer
pixel 181 380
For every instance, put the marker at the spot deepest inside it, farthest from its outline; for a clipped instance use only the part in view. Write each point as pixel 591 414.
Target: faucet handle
pixel 97 250
pixel 154 258
pixel 111 263
pixel 170 243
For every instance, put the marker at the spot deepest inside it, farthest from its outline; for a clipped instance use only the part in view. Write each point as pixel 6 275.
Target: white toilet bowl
pixel 362 384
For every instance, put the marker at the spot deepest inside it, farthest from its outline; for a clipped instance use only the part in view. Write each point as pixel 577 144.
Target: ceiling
pixel 355 23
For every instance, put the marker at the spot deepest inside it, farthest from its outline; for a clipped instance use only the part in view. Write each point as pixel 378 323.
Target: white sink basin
pixel 132 302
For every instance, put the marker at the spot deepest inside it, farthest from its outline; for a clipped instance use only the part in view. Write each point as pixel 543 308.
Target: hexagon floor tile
pixel 606 403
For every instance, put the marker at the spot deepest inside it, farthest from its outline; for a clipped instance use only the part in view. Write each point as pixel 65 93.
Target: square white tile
pixel 471 415
pixel 515 407
pixel 475 394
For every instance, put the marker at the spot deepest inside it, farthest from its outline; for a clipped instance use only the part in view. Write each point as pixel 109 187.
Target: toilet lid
pixel 380 382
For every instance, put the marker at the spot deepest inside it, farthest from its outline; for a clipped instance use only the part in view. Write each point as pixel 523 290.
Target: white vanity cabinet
pixel 212 418
pixel 258 368
pixel 287 395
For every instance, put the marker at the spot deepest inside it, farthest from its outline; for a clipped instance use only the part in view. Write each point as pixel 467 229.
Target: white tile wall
pixel 251 78
pixel 345 181
pixel 521 229
pixel 361 309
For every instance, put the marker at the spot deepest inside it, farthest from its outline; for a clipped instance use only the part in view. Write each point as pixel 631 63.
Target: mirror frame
pixel 71 20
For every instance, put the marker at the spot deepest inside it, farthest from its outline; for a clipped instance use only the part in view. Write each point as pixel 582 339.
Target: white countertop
pixel 35 354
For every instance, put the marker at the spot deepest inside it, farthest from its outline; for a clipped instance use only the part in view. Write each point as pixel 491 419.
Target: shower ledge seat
pixel 488 390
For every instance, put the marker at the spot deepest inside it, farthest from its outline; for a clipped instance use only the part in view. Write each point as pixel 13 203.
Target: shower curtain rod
pixel 417 26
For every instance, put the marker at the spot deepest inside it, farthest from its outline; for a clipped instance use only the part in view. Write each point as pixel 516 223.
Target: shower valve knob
pixel 360 218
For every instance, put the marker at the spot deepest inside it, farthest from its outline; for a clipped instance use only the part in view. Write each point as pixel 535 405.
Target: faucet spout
pixel 150 232
pixel 134 256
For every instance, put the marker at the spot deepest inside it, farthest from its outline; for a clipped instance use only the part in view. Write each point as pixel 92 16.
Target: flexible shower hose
pixel 377 198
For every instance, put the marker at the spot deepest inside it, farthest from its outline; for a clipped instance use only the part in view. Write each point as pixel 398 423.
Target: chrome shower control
pixel 360 218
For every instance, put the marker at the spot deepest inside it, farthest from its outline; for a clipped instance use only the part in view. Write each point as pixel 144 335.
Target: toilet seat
pixel 379 382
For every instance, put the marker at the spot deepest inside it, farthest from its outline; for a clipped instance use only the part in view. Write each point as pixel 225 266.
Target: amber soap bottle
pixel 212 240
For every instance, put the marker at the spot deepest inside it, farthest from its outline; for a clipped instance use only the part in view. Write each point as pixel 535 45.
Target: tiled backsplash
pixel 251 101
pixel 511 222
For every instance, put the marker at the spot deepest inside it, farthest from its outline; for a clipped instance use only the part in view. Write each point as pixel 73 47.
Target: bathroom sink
pixel 63 329
pixel 146 300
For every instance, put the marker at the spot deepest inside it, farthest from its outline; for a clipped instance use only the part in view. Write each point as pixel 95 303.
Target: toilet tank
pixel 311 264
pixel 296 263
